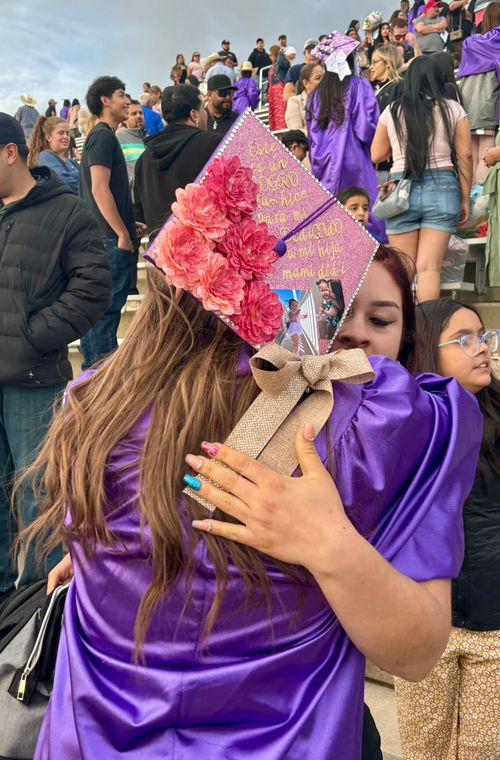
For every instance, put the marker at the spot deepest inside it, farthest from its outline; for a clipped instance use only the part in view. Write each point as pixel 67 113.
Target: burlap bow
pixel 268 428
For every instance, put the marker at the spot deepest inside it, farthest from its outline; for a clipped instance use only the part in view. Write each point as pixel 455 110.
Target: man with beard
pixel 220 114
pixel 131 138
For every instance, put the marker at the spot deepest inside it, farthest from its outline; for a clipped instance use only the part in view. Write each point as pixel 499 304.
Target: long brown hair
pixel 38 141
pixel 491 17
pixel 179 362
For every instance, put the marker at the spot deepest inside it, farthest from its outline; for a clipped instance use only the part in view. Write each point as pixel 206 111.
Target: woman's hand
pixel 491 156
pixel 464 211
pixel 294 520
pixel 61 573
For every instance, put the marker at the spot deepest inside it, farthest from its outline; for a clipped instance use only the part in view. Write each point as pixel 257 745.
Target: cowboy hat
pixel 28 100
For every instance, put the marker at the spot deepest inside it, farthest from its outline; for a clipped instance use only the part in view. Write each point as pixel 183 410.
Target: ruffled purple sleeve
pixel 404 453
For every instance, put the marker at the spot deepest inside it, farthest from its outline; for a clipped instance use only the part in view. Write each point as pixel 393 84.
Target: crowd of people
pixel 156 656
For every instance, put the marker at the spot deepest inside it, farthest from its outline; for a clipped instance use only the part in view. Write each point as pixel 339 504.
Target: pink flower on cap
pixel 220 287
pixel 181 252
pixel 233 186
pixel 261 315
pixel 249 248
pixel 198 208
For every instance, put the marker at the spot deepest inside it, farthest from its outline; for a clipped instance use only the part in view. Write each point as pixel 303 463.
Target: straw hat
pixel 212 58
pixel 28 100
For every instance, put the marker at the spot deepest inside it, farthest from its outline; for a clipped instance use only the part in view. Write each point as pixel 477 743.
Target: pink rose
pixel 249 248
pixel 221 288
pixel 233 186
pixel 197 208
pixel 182 252
pixel 261 314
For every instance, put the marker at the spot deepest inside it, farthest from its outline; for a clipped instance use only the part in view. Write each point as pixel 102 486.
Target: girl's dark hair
pixel 402 271
pixel 327 100
pixel 353 24
pixel 336 290
pixel 246 74
pixel 102 87
pixel 491 17
pixel 421 96
pixel 432 318
pixel 379 41
pixel 445 63
pixel 66 102
pixel 178 101
pixel 75 102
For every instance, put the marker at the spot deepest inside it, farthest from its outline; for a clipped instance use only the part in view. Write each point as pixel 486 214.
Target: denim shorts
pixel 434 203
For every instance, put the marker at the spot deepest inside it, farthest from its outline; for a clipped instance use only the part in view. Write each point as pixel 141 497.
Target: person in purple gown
pixel 177 643
pixel 341 118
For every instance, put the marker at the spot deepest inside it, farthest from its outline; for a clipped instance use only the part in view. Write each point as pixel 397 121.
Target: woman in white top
pixel 437 158
pixel 309 78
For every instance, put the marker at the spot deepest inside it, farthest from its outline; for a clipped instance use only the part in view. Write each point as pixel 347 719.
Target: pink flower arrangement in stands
pixel 214 248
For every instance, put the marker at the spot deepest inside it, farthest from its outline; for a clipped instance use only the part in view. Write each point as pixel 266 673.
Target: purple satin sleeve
pixel 480 53
pixel 405 464
pixel 364 110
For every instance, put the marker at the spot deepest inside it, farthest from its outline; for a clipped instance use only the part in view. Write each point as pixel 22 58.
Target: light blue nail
pixel 192 482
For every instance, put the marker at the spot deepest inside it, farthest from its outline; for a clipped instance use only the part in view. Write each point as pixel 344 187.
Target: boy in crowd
pixel 356 201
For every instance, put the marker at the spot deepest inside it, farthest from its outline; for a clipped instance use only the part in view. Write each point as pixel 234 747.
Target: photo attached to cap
pixel 312 317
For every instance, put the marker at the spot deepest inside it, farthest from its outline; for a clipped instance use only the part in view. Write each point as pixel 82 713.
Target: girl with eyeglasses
pixel 453 713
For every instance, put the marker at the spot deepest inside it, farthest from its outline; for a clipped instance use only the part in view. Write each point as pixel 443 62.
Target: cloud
pixel 55 50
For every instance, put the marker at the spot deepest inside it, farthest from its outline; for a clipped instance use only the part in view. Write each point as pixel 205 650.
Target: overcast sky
pixel 55 49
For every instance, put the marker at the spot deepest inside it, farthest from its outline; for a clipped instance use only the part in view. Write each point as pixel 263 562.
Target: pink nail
pixel 209 448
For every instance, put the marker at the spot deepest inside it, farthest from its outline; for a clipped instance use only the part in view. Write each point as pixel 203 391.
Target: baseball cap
pixel 220 82
pixel 225 42
pixel 432 4
pixel 310 43
pixel 11 131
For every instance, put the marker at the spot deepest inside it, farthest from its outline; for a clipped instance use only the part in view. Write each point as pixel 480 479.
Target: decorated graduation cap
pixel 333 51
pixel 256 230
pixel 258 241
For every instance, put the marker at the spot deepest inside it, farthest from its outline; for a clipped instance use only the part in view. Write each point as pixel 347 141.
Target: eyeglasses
pixel 399 37
pixel 471 344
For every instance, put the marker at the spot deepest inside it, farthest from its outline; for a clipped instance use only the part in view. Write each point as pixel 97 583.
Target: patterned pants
pixel 454 713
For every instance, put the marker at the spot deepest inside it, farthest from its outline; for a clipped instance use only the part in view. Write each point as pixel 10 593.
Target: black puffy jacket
pixel 476 591
pixel 54 282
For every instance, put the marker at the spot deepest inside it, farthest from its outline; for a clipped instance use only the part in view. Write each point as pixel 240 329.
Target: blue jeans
pixel 25 414
pixel 100 340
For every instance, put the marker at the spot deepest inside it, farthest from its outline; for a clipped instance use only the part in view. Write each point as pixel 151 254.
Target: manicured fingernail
pixel 209 448
pixel 195 462
pixel 308 432
pixel 192 482
pixel 202 525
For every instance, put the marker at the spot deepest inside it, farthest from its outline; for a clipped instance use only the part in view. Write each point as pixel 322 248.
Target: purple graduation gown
pixel 246 95
pixel 404 453
pixel 340 156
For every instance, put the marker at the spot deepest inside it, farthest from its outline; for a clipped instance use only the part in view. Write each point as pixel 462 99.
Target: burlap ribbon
pixel 268 428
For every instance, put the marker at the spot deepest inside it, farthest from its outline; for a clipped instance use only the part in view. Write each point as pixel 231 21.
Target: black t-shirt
pixel 103 149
